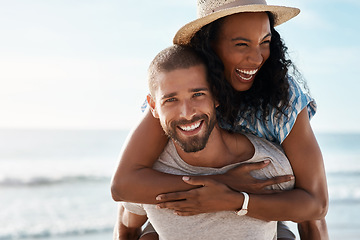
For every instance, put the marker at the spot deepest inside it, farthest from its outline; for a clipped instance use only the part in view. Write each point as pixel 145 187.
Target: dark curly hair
pixel 270 87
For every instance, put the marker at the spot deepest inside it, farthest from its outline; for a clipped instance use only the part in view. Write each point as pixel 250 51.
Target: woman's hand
pixel 240 179
pixel 210 196
pixel 219 192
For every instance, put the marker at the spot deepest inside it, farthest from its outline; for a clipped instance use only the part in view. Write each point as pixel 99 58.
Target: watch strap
pixel 243 211
pixel 246 201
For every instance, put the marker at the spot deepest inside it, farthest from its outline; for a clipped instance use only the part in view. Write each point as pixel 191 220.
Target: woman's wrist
pixel 236 201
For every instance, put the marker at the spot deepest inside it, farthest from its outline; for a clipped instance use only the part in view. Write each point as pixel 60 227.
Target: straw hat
pixel 211 10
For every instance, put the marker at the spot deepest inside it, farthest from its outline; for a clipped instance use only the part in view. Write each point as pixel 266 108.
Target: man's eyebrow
pixel 198 89
pixel 170 95
pixel 247 40
pixel 173 94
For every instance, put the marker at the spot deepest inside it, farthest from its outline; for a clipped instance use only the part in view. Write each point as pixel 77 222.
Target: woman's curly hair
pixel 270 88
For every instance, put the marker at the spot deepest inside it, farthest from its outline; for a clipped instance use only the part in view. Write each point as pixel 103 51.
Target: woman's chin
pixel 241 87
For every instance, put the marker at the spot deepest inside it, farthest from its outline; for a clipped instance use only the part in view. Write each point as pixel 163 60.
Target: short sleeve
pixel 135 208
pixel 144 105
pixel 276 127
pixel 298 99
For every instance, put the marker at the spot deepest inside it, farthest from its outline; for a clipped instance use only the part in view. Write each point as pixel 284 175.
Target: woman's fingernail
pixel 158 198
pixel 186 178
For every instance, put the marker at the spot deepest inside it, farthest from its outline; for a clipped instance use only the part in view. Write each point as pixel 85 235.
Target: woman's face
pixel 243 45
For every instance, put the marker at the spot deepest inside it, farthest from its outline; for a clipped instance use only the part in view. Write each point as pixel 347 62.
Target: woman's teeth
pixel 250 72
pixel 246 72
pixel 192 127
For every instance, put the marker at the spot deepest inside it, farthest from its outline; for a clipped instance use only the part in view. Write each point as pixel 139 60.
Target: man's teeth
pixel 192 127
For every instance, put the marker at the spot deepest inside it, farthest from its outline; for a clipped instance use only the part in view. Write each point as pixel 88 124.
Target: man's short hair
pixel 170 59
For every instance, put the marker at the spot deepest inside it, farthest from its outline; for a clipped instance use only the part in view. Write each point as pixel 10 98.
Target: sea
pixel 55 184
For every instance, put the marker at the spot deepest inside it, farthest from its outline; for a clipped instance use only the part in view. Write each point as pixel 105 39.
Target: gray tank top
pixel 217 225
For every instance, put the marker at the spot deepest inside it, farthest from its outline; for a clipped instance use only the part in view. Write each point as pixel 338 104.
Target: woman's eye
pixel 241 44
pixel 266 42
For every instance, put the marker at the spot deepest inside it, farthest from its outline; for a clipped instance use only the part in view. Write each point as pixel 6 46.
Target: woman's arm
pixel 308 201
pixel 302 146
pixel 136 181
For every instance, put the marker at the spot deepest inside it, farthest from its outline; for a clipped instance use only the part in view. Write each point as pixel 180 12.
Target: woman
pixel 251 80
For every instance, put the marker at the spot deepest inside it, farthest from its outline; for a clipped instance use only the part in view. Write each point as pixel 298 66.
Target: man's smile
pixel 190 128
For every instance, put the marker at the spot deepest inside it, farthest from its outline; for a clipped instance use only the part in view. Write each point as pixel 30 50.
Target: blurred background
pixel 73 79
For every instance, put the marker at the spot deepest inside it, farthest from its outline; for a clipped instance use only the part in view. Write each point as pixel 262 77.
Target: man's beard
pixel 193 143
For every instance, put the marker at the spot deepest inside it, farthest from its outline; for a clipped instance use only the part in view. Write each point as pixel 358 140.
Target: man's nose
pixel 187 110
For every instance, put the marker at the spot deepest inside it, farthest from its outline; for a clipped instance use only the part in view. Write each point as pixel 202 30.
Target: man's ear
pixel 151 103
pixel 216 103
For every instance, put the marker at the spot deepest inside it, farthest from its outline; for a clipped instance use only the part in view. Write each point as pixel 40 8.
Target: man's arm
pixel 128 225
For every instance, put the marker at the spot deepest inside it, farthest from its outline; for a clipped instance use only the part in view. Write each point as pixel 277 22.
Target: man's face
pixel 185 107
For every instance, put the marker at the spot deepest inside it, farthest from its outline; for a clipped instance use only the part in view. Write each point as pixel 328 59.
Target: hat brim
pixel 281 15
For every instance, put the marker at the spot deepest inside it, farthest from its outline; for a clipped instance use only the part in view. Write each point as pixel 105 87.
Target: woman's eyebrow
pixel 267 35
pixel 247 40
pixel 240 39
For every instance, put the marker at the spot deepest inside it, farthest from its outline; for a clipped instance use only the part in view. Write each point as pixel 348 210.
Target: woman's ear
pixel 151 103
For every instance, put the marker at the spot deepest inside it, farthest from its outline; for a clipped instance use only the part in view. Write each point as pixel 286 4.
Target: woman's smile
pixel 246 75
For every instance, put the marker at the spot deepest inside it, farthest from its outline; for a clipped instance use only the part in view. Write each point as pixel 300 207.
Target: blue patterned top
pixel 275 128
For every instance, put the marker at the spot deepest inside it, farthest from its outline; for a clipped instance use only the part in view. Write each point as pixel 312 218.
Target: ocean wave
pixel 343 173
pixel 345 192
pixel 48 233
pixel 49 180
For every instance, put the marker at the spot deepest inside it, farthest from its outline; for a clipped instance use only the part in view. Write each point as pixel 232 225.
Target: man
pixel 181 99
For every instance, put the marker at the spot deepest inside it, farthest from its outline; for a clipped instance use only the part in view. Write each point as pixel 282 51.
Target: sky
pixel 82 64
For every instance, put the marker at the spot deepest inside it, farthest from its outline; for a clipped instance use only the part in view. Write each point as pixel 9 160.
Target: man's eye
pixel 170 100
pixel 198 94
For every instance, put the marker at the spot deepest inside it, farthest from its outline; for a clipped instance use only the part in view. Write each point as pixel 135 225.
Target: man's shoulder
pixel 237 143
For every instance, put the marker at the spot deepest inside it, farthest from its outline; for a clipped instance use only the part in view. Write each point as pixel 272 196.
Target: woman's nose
pixel 255 56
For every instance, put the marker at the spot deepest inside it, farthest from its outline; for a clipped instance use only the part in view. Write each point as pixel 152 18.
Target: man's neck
pixel 222 149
